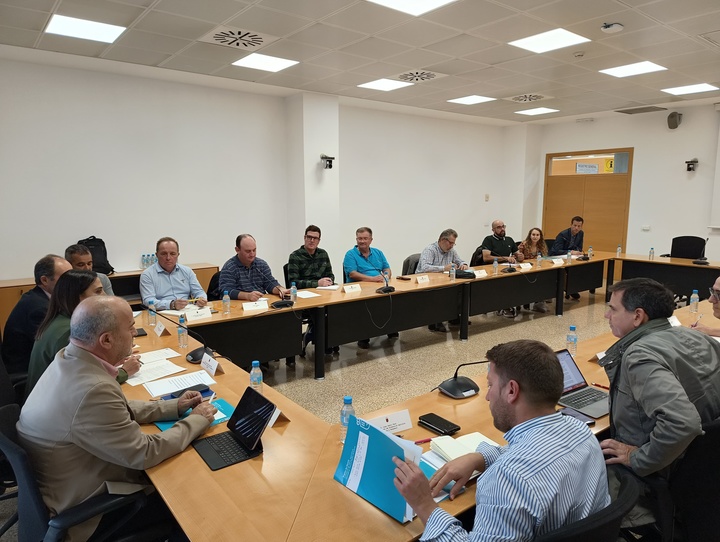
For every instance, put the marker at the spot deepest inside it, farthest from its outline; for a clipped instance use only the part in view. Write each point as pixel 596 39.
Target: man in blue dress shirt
pixel 551 472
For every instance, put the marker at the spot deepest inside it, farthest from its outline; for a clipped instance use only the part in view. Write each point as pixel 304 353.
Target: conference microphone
pixel 460 387
pixel 194 356
pixel 511 266
pixel 702 260
pixel 387 289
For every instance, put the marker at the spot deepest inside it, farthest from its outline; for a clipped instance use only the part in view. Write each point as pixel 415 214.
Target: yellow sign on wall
pixel 609 165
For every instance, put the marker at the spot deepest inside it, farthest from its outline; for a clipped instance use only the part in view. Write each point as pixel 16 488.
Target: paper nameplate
pixel 211 365
pixel 198 314
pixel 674 322
pixel 423 279
pixel 525 266
pixel 349 288
pixel 255 305
pixel 397 421
pixel 480 273
pixel 160 329
pixel 558 261
pixel 277 415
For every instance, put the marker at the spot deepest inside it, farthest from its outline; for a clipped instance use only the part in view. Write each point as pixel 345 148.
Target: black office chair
pixel 214 293
pixel 410 264
pixel 687 246
pixel 307 335
pixel 602 526
pixel 8 483
pixel 34 519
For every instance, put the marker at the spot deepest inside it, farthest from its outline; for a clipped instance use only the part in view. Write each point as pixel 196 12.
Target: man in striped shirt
pixel 551 472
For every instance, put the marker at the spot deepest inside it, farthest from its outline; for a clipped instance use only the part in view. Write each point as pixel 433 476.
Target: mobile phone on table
pixel 567 411
pixel 438 424
pixel 197 387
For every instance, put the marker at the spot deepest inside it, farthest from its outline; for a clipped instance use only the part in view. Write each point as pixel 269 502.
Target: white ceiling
pixel 342 43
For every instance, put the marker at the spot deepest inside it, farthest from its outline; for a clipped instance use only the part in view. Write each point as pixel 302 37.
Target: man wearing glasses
pixel 715 300
pixel 309 266
pixel 664 385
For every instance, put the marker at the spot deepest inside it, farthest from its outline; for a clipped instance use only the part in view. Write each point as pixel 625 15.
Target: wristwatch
pixel 172 305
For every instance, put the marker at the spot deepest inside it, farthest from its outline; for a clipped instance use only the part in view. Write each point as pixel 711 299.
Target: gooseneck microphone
pixel 194 356
pixel 702 260
pixel 460 387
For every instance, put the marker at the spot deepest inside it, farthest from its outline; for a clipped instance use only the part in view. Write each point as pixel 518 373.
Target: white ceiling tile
pixel 137 39
pixel 190 64
pixel 215 53
pixel 348 79
pixel 608 61
pixel 100 11
pixel 340 61
pixel 567 12
pixel 375 48
pixel 418 58
pixel 217 11
pixel 324 86
pixel 513 28
pixel 269 22
pixel 418 33
pixel 694 26
pixel 707 73
pixel 499 54
pixel 368 18
pixel 72 46
pixel 173 25
pixel 460 45
pixel 533 63
pixel 310 71
pixel 138 3
pixel 23 18
pixel 561 71
pixel 641 38
pixel 670 48
pixel 283 79
pixel 467 14
pixel 488 74
pixel 379 70
pixel 323 35
pixel 680 62
pixel 523 5
pixel 39 5
pixel 294 50
pixel 453 67
pixel 19 37
pixel 135 56
pixel 592 28
pixel 312 9
pixel 672 10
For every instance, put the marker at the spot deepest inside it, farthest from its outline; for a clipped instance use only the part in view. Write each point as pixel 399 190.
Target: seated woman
pixel 534 247
pixel 54 332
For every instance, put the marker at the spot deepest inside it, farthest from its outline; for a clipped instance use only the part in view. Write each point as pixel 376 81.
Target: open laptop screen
pixel 572 377
pixel 250 418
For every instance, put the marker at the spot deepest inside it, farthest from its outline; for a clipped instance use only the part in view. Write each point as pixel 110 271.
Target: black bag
pixel 99 254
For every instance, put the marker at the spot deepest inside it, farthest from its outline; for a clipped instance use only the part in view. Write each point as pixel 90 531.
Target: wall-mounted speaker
pixel 674 119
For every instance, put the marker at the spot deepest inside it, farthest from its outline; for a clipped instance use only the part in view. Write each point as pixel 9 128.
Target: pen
pixel 696 321
pixel 211 398
pixel 423 441
pixel 600 386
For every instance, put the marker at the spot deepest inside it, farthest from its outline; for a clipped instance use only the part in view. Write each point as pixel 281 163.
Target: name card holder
pixel 558 261
pixel 480 273
pixel 260 304
pixel 160 329
pixel 211 365
pixel 423 279
pixel 351 288
pixel 198 314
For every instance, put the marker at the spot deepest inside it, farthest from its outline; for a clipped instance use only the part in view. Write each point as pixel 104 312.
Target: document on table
pixel 169 385
pixel 157 355
pixel 304 294
pixel 154 370
pixel 331 287
pixel 188 308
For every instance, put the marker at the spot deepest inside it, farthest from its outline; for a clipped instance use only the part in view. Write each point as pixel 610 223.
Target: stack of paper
pixel 449 448
pixel 155 365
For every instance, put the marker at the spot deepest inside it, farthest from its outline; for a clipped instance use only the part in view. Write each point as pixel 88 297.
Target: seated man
pixel 714 299
pixel 363 263
pixel 81 259
pixel 25 318
pixel 570 240
pixel 550 474
pixel 169 284
pixel 247 277
pixel 438 258
pixel 664 384
pixel 80 432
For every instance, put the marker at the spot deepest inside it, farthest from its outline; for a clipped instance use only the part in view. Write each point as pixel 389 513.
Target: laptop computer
pixel 242 441
pixel 576 392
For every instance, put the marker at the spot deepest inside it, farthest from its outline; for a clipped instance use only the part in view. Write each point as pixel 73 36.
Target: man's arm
pixel 148 293
pixel 560 246
pixel 106 284
pixel 294 267
pixel 227 282
pixel 425 263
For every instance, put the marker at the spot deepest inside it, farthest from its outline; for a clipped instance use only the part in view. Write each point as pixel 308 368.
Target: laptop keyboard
pixel 228 448
pixel 584 397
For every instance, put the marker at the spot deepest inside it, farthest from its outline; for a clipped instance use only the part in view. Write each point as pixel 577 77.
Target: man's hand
pixel 619 452
pixel 180 304
pixel 189 399
pixel 325 281
pixel 377 278
pixel 519 256
pixel 131 364
pixel 413 486
pixel 205 410
pixel 252 296
pixel 464 266
pixel 201 301
pixel 460 470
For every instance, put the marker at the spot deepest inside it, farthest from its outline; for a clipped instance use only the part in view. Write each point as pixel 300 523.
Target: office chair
pixel 410 264
pixel 307 335
pixel 687 246
pixel 8 483
pixel 34 519
pixel 602 526
pixel 214 293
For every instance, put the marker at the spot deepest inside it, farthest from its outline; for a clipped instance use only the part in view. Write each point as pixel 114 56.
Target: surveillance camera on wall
pixel 327 161
pixel 691 164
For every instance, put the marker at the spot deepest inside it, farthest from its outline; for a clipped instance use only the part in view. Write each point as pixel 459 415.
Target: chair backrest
pixel 694 486
pixel 33 516
pixel 410 264
pixel 7 391
pixel 687 246
pixel 604 525
pixel 286 275
pixel 214 293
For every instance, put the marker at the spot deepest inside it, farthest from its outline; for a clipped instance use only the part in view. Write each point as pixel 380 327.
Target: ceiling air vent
pixel 418 76
pixel 525 98
pixel 636 110
pixel 238 38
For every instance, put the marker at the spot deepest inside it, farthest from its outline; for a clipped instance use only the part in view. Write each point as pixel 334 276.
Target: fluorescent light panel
pixel 83 29
pixel 385 84
pixel 549 41
pixel 413 7
pixel 634 69
pixel 537 111
pixel 264 62
pixel 690 89
pixel 471 100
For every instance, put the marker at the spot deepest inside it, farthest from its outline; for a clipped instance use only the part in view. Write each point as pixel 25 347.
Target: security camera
pixel 327 161
pixel 691 164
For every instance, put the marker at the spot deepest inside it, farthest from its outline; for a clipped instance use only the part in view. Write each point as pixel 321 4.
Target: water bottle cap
pixel 347 400
pixel 292 284
pixel 225 292
pixel 572 328
pixel 695 291
pixel 151 302
pixel 256 363
pixel 182 319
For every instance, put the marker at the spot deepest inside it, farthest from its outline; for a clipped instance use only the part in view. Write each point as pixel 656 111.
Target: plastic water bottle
pixel 538 262
pixel 495 266
pixel 256 377
pixel 590 253
pixel 226 302
pixel 293 292
pixel 153 259
pixel 571 341
pixel 652 253
pixel 345 413
pixel 619 251
pixel 142 261
pixel 152 315
pixel 694 300
pixel 452 272
pixel 182 333
pixel 569 256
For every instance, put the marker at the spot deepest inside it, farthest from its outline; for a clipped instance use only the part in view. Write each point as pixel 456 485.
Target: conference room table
pixel 342 317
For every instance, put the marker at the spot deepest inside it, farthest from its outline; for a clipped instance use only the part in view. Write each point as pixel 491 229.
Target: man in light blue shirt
pixel 551 472
pixel 167 283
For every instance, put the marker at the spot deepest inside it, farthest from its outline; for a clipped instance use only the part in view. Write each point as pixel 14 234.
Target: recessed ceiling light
pixel 690 89
pixel 264 62
pixel 81 28
pixel 385 84
pixel 413 7
pixel 634 69
pixel 549 41
pixel 537 111
pixel 471 100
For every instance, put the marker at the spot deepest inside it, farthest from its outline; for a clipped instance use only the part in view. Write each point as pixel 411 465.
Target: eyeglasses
pixel 501 226
pixel 312 238
pixel 714 293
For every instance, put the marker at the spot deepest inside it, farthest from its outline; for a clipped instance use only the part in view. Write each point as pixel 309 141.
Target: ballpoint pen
pixel 600 386
pixel 696 321
pixel 423 441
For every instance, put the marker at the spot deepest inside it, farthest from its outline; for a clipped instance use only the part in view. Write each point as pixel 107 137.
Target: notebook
pixel 242 441
pixel 576 392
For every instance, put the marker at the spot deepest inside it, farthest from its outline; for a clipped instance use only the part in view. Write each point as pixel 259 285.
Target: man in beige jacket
pixel 80 432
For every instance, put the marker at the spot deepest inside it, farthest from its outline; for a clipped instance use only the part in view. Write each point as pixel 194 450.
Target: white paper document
pixel 152 371
pixel 304 294
pixel 331 287
pixel 157 355
pixel 189 307
pixel 169 385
